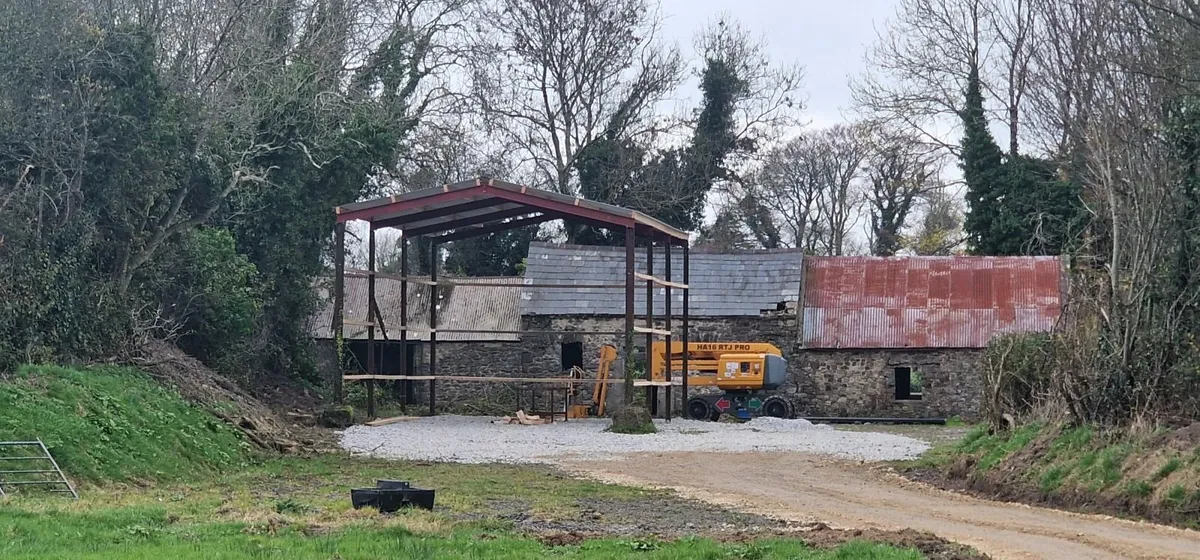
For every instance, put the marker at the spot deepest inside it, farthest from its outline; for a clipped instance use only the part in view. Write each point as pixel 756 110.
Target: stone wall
pixel 861 383
pixel 545 350
pixel 821 382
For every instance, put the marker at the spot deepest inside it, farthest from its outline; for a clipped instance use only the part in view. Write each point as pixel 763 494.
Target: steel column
pixel 339 290
pixel 371 365
pixel 651 391
pixel 406 385
pixel 667 325
pixel 630 282
pixel 686 296
pixel 433 297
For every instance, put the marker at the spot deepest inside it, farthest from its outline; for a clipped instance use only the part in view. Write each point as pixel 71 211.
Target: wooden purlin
pixel 493 379
pixel 651 330
pixel 402 277
pixel 666 283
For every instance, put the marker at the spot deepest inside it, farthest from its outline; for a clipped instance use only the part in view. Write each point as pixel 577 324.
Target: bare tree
pixel 899 169
pixel 939 231
pixel 918 68
pixel 1018 34
pixel 790 186
pixel 1066 68
pixel 839 154
pixel 811 187
pixel 553 75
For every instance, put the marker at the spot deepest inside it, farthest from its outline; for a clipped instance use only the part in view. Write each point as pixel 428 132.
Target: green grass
pixel 148 534
pixel 299 508
pixel 1052 479
pixel 108 423
pixel 1103 468
pixel 1169 467
pixel 1138 488
pixel 1176 496
pixel 996 447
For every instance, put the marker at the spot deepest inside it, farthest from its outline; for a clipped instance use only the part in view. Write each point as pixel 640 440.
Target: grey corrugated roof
pixel 722 284
pixel 483 308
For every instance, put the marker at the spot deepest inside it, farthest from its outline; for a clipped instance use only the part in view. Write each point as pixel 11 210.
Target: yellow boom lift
pixel 739 371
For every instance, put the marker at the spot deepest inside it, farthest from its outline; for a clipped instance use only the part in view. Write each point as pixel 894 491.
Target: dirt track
pixel 809 488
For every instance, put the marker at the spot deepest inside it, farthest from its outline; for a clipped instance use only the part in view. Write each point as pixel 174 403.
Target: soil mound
pixel 218 395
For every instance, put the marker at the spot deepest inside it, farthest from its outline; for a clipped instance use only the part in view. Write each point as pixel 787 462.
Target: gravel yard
pixel 470 439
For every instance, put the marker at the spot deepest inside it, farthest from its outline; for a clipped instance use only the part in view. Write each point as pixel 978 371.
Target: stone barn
pixel 863 336
pixel 744 296
pixel 904 336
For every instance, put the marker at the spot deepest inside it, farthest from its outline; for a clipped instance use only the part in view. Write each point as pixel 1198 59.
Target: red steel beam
pixel 469 221
pixel 405 205
pixel 571 210
pixel 466 233
pixel 432 213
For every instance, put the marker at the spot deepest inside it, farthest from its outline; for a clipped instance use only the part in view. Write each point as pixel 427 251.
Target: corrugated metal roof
pixel 722 284
pixel 927 302
pixel 483 308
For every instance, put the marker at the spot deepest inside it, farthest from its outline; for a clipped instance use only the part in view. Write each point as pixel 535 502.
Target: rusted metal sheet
pixel 927 302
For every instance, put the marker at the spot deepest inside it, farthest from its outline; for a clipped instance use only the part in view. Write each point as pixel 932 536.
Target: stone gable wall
pixel 861 383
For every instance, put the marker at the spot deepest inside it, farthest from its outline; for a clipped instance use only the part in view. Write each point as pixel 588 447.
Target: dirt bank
pixel 810 489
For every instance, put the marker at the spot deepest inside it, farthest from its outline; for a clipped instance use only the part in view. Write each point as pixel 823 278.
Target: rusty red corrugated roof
pixel 927 302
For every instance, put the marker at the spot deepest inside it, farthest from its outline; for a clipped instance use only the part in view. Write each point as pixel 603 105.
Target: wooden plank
pixel 491 379
pixel 478 331
pixel 532 285
pixel 392 420
pixel 353 323
pixel 646 383
pixel 359 273
pixel 509 379
pixel 384 377
pixel 648 330
pixel 659 281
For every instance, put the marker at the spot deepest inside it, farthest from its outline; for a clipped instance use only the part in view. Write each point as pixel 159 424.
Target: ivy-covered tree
pixel 982 165
pixel 671 185
pixel 1018 205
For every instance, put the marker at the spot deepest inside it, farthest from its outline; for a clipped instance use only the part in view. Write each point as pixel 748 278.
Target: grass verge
pixel 1154 476
pixel 115 424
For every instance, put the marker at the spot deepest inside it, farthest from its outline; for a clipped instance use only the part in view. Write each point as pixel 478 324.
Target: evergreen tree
pixel 982 165
pixel 1019 205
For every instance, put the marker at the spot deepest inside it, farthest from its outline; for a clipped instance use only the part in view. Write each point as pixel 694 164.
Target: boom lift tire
pixel 778 407
pixel 699 408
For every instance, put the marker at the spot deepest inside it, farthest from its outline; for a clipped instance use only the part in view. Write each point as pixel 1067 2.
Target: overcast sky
pixel 827 37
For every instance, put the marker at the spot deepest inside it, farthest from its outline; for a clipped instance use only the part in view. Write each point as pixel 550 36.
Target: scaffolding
pixel 483 206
